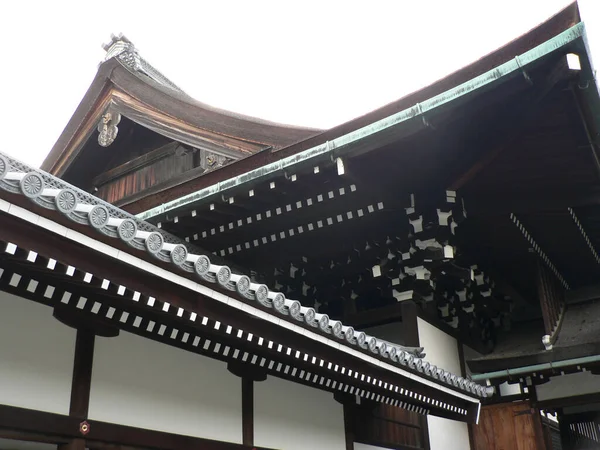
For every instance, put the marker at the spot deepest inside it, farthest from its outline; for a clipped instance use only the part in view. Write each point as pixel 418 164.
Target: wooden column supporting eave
pixel 82 374
pixel 247 411
pixel 410 332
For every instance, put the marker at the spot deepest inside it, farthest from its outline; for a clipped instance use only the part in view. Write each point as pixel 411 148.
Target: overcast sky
pixel 306 63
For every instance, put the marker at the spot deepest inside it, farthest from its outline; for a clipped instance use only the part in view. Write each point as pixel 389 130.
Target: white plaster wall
pixel 580 383
pixel 146 384
pixel 36 356
pixel 290 416
pixel 358 446
pixel 442 350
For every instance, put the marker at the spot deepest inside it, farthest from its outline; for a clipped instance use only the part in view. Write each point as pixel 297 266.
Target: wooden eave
pixel 41 227
pixel 168 112
pixel 187 183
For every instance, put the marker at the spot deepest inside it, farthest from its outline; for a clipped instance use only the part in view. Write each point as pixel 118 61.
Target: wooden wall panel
pixel 509 426
pixel 386 425
pixel 145 177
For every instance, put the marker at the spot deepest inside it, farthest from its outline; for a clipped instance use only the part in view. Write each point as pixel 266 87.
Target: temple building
pixel 176 276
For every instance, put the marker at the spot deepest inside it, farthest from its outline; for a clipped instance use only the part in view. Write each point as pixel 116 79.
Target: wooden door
pixel 509 426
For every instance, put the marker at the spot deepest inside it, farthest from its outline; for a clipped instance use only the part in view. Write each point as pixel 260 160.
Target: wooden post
pixel 247 411
pixel 410 333
pixel 82 374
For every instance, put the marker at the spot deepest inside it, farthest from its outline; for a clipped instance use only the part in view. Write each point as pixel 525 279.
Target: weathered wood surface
pixel 511 426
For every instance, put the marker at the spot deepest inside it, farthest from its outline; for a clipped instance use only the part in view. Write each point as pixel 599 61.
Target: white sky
pixel 305 63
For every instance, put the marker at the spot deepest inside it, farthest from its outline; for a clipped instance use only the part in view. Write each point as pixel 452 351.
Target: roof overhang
pixel 139 260
pixel 397 126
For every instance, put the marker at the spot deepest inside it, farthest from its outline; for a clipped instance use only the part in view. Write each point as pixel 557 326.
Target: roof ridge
pixel 122 49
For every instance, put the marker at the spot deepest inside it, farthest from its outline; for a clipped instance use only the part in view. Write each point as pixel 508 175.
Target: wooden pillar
pixel 82 374
pixel 74 444
pixel 247 411
pixel 410 334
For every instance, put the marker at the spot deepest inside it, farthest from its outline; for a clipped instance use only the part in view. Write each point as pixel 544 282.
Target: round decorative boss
pixel 372 345
pixel 262 295
pixel 324 322
pixel 66 201
pixel 337 329
pixel 98 217
pixel 3 167
pixel 309 316
pixel 243 285
pixel 382 349
pixel 202 265
pixel 279 303
pixel 295 309
pixel 179 254
pixel 349 334
pixel 127 230
pixel 223 275
pixel 154 242
pixel 32 185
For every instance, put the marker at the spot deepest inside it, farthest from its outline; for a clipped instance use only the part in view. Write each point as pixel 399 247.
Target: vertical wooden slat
pixel 82 374
pixel 247 411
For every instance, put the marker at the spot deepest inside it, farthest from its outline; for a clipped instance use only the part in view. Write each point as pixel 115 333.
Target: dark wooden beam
pixel 73 444
pixel 66 428
pixel 82 374
pixel 483 203
pixel 247 411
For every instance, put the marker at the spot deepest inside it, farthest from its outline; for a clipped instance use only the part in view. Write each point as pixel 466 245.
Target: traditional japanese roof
pixel 376 129
pixel 188 267
pixel 128 85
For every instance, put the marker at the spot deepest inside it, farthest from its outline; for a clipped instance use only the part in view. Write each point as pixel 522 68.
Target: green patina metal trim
pixel 344 143
pixel 520 371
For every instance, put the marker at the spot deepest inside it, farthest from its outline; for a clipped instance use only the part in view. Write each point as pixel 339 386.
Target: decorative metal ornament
pixel 202 265
pixel 84 427
pixel 66 201
pixel 98 217
pixel 32 185
pixel 154 243
pixel 127 230
pixel 107 128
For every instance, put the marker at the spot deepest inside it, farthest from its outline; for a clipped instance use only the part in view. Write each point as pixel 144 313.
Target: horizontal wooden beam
pixel 64 428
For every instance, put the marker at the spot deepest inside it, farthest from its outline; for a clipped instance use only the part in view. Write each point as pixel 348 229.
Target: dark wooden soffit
pixel 28 424
pixel 168 112
pixel 549 29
